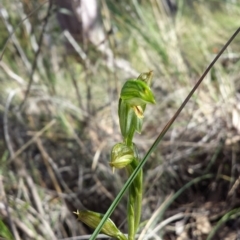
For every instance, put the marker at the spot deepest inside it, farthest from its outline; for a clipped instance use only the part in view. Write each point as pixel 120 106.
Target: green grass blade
pixel 5 232
pixel 230 215
pixel 174 197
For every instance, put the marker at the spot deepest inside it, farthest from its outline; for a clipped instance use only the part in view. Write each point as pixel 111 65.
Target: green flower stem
pixel 131 211
pixel 135 200
pixel 122 237
pixel 131 214
pixel 138 200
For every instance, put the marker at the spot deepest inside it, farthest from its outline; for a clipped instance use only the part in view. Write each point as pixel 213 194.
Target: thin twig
pixel 27 144
pixel 234 187
pixel 46 158
pixel 34 65
pixel 77 48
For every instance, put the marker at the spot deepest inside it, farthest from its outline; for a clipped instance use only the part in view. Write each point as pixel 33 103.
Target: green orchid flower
pixel 121 156
pixel 134 97
pixel 129 121
pixel 137 93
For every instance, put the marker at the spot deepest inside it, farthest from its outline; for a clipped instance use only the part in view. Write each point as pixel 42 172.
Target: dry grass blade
pixel 152 219
pixel 34 64
pixel 11 74
pixel 7 210
pixel 36 136
pixel 46 158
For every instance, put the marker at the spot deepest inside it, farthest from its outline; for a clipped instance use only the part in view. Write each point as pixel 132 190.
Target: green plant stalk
pixel 158 140
pixel 134 207
pixel 138 192
pixel 135 200
pixel 131 214
pixel 232 214
pixel 138 200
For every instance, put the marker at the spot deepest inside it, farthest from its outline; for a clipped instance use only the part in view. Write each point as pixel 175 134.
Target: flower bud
pixel 92 219
pixel 121 156
pixel 146 77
